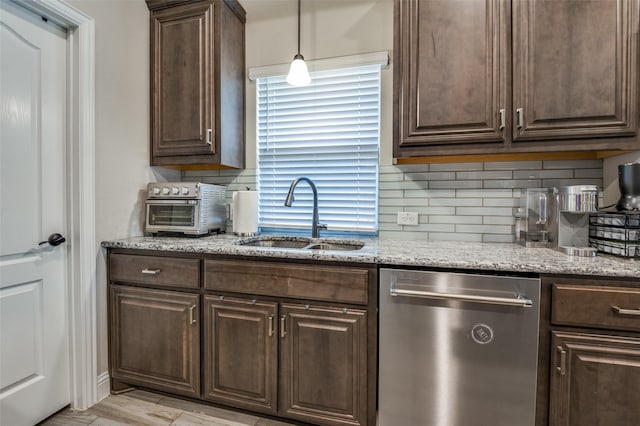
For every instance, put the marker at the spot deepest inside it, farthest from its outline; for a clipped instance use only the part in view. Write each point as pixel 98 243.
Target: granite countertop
pixel 459 255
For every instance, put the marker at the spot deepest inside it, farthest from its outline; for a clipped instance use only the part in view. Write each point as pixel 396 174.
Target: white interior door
pixel 34 344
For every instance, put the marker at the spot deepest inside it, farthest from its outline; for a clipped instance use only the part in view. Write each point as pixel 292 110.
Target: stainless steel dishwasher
pixel 457 349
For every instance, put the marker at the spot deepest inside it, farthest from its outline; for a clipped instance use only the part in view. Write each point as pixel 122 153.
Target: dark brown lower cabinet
pixel 240 353
pixel 292 340
pixel 595 380
pixel 155 339
pixel 323 364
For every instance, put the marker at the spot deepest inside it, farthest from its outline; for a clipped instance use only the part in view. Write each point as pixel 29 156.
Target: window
pixel 329 132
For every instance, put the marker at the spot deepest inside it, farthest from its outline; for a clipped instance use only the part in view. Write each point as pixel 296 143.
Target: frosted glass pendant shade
pixel 298 72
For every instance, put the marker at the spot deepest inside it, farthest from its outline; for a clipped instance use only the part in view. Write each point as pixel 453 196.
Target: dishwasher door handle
pixel 508 301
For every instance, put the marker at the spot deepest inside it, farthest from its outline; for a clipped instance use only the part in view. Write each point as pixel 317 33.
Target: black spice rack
pixel 615 233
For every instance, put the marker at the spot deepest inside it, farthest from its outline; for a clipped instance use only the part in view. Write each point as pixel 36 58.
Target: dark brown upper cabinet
pixel 502 76
pixel 197 83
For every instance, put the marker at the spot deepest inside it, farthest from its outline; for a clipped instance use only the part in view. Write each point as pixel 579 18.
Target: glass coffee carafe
pixel 538 227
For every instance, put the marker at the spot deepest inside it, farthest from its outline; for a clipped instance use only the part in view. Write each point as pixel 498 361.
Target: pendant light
pixel 298 72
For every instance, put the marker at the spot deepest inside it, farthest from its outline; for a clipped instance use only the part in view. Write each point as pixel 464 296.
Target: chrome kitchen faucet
pixel 315 225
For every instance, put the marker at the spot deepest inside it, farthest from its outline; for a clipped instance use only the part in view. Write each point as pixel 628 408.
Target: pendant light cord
pixel 298 27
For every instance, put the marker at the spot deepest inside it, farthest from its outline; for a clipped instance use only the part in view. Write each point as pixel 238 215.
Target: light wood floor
pixel 145 408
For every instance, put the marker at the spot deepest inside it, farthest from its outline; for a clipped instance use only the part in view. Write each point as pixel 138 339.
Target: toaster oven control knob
pixel 175 190
pixel 165 191
pixel 185 190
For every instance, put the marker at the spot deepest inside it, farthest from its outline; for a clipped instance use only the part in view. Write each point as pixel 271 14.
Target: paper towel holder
pixel 245 219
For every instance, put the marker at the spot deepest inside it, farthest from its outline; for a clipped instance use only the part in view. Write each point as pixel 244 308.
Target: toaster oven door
pixel 172 215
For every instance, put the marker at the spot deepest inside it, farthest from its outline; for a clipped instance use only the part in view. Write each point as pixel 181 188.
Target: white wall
pixel 328 28
pixel 122 131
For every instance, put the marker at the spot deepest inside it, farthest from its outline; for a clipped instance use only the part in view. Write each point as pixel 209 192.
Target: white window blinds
pixel 329 132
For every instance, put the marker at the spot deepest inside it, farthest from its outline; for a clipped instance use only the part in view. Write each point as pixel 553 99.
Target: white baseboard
pixel 104 386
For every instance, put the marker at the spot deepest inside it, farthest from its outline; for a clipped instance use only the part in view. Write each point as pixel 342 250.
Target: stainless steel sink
pixel 356 245
pixel 277 243
pixel 302 243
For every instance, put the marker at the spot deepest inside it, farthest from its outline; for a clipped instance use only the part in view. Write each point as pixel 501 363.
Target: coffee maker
pixel 537 225
pixel 575 204
pixel 629 184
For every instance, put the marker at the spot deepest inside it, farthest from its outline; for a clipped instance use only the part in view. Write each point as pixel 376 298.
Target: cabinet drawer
pixel 595 306
pixel 334 284
pixel 155 270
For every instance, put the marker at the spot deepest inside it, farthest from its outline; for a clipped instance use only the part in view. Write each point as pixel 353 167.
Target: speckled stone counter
pixel 458 255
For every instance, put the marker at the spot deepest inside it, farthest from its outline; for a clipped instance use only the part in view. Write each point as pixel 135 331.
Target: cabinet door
pixel 575 69
pixel 595 380
pixel 450 73
pixel 155 339
pixel 182 80
pixel 240 353
pixel 323 365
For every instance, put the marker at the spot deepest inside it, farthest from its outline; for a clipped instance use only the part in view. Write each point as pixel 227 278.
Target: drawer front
pixel 616 308
pixel 155 270
pixel 334 284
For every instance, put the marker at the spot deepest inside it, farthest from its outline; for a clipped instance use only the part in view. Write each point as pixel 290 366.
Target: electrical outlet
pixel 407 218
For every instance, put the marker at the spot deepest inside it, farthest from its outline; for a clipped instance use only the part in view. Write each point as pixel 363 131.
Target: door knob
pixel 54 240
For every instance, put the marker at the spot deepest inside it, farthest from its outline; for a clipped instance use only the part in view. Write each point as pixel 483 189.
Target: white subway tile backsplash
pixel 513 165
pixel 485 193
pixel 547 183
pixel 498 220
pixel 572 164
pixel 500 202
pixel 402 185
pixel 431 176
pixel 432 210
pixel 455 184
pixel 456 201
pixel 484 229
pixel 440 193
pixel 543 174
pixel 513 183
pixel 485 211
pixel 454 236
pixel 447 167
pixel 455 219
pixel 503 174
pixel 438 227
pixel 407 168
pixel 588 173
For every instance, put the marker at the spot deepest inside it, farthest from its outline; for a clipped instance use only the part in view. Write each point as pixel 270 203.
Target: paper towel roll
pixel 245 213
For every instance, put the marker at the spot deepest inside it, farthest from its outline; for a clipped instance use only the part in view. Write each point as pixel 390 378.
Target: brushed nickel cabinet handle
pixel 283 328
pixel 192 316
pixel 150 271
pixel 563 360
pixel 502 119
pixel 622 311
pixel 520 112
pixel 270 325
pixel 209 136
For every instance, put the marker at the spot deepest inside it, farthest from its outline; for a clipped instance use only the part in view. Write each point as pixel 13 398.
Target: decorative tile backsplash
pixel 454 201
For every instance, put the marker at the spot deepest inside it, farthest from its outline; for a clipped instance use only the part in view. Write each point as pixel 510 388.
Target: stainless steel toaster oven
pixel 190 208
